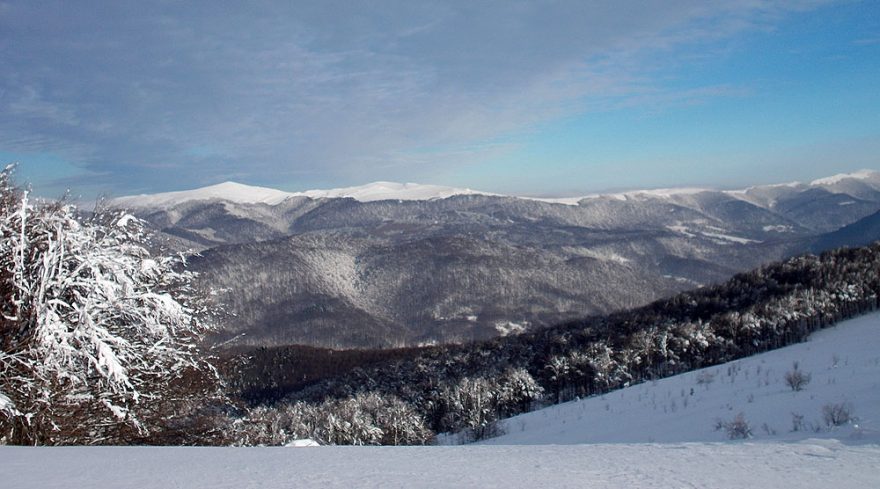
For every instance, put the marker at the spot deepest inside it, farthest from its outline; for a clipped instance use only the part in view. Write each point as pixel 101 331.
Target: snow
pixel 727 237
pixel 718 236
pixel 378 191
pixel 843 361
pixel 779 228
pixel 602 254
pixel 571 201
pixel 125 220
pixel 230 191
pixel 808 464
pixel 6 404
pixel 682 229
pixel 791 185
pixel 247 194
pixel 305 442
pixel 859 175
pixel 505 328
pixel 659 192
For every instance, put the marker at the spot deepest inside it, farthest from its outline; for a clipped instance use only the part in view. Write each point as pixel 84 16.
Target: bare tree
pixel 737 428
pixel 797 379
pixel 836 414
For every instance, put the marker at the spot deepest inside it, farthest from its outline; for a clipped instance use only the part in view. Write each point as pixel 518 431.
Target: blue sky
pixel 540 98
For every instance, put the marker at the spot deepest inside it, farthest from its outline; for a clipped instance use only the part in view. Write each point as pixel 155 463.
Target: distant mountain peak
pixel 248 194
pixel 384 190
pixel 229 191
pixel 858 175
pixel 391 191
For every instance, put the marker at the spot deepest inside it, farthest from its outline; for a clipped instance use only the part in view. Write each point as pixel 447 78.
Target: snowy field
pixel 812 464
pixel 651 435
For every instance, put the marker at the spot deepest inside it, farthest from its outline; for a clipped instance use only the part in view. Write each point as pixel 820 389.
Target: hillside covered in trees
pixel 467 388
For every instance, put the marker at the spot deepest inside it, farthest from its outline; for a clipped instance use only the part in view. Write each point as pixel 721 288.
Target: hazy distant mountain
pixel 247 194
pixel 402 264
pixel 859 233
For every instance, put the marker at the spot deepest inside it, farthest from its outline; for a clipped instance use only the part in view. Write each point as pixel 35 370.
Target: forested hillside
pixel 388 272
pixel 455 388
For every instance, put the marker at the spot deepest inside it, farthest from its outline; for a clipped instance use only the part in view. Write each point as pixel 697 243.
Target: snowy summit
pixel 377 191
pixel 229 191
pixel 864 175
pixel 247 194
pixel 390 191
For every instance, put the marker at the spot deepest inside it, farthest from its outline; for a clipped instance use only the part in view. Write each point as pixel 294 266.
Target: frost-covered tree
pixel 363 419
pixel 95 329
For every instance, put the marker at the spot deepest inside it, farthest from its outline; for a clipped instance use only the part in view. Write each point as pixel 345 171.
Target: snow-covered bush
pixel 94 327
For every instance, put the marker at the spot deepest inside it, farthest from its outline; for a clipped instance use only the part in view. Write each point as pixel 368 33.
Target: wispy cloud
pixel 307 91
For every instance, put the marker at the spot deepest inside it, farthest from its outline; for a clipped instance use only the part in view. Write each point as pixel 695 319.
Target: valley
pixel 405 265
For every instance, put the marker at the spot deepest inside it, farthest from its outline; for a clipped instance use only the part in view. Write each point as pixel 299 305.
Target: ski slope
pixel 843 363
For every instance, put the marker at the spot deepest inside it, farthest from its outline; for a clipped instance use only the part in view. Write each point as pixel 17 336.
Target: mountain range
pixel 393 265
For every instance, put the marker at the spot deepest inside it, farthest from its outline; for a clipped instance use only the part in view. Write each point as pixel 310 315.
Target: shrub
pixel 705 378
pixel 837 414
pixel 737 428
pixel 797 379
pixel 797 422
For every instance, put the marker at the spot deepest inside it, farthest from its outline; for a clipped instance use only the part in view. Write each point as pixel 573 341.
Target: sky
pixel 550 98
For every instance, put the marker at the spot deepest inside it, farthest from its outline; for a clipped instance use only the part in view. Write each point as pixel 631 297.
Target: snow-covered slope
pixel 246 194
pixel 864 175
pixel 843 362
pixel 228 191
pixel 390 191
pixel 817 464
pixel 858 182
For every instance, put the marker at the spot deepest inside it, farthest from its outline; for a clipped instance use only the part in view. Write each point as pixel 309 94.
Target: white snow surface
pixel 229 191
pixel 843 362
pixel 390 191
pixel 658 192
pixel 377 191
pixel 859 175
pixel 305 442
pixel 804 465
pixel 247 194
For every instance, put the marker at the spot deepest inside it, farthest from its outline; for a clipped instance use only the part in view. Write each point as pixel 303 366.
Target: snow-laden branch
pixel 88 311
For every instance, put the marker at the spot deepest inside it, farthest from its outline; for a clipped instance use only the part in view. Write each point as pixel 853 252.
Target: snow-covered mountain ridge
pixel 379 191
pixel 482 262
pixel 842 364
pixel 247 194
